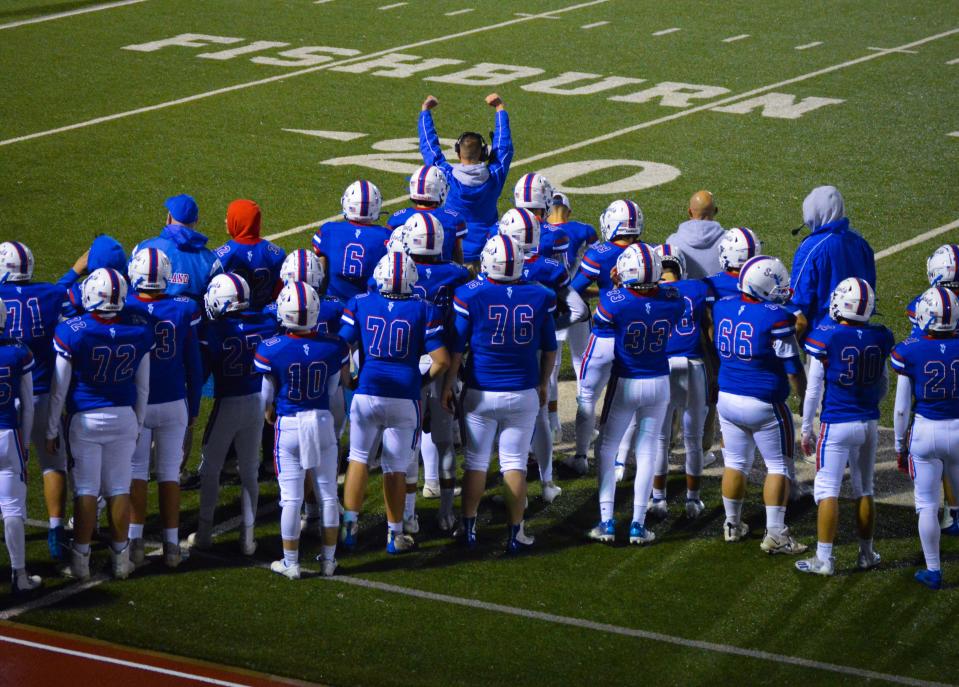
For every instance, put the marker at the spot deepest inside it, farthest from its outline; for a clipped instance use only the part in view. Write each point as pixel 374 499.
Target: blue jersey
pixel 436 284
pixel 33 311
pixel 723 285
pixel 454 227
pixel 104 355
pixel 580 235
pixel 933 366
pixel 597 266
pixel 328 319
pixel 506 326
pixel 15 361
pixel 392 334
pixel 546 271
pixel 553 242
pixel 301 367
pixel 194 265
pixel 352 251
pixel 641 323
pixel 176 370
pixel 854 359
pixel 229 344
pixel 259 263
pixel 685 338
pixel 755 343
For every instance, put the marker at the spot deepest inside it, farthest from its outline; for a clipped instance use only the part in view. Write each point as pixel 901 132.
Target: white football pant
pixel 511 413
pixel 13 495
pixel 841 444
pixel 102 443
pixel 163 424
pixel 49 462
pixel 394 421
pixel 933 450
pixel 687 395
pixel 436 446
pixel 593 376
pixel 747 424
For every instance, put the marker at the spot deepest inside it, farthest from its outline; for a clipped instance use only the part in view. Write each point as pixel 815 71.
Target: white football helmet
pixel 298 306
pixel 942 267
pixel 639 267
pixel 522 226
pixel 937 310
pixel 765 278
pixel 737 246
pixel 533 192
pixel 428 185
pixel 361 201
pixel 502 259
pixel 423 234
pixel 302 265
pixel 622 218
pixel 149 270
pixel 853 299
pixel 397 241
pixel 395 273
pixel 671 255
pixel 104 291
pixel 16 262
pixel 226 293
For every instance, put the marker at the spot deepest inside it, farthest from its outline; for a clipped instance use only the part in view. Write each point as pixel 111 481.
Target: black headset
pixel 484 146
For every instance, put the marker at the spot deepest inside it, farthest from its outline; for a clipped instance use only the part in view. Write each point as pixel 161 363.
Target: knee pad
pixel 331 513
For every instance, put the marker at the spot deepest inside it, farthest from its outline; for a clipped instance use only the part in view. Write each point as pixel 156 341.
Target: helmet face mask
pixel 226 293
pixel 502 259
pixel 523 227
pixel 639 267
pixel 428 185
pixel 766 279
pixel 937 310
pixel 623 218
pixel 302 265
pixel 737 246
pixel 104 291
pixel 298 307
pixel 672 258
pixel 149 270
pixel 853 299
pixel 395 274
pixel 533 192
pixel 16 262
pixel 942 267
pixel 361 202
pixel 423 235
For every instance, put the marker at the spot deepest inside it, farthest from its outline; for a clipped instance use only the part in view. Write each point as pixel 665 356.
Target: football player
pixel 534 193
pixel 507 325
pixel 301 371
pixel 622 224
pixel 229 338
pixel 255 258
pixel 928 368
pixel 640 315
pixel 428 191
pixel 16 365
pixel 350 249
pixel 737 246
pixel 392 329
pixel 33 311
pixel 102 376
pixel 755 337
pixel 847 376
pixel 475 184
pixel 176 380
pixel 581 235
pixel 687 346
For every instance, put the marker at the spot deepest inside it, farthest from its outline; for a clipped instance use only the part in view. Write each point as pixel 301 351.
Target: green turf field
pixel 94 134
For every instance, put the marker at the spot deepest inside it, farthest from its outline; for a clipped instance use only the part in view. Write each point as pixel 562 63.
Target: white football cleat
pixel 431 489
pixel 171 555
pixel 817 566
pixel 604 532
pixel 638 534
pixel 522 537
pixel 120 563
pixel 137 551
pixel 734 533
pixel 399 543
pixel 551 491
pixel 79 568
pixel 694 508
pixel 620 472
pixel 327 567
pixel 21 582
pixel 446 522
pixel 658 508
pixel 708 459
pixel 868 561
pixel 202 539
pixel 412 525
pixel 782 543
pixel 247 542
pixel 290 572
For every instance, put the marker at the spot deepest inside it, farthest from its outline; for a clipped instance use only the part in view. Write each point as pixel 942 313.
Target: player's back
pixel 581 236
pixel 553 242
pixel 436 282
pixel 933 365
pixel 642 322
pixel 15 360
pixel 597 266
pixel 685 337
pixel 302 367
pixel 854 360
pixel 747 336
pixel 506 324
pixel 259 263
pixel 453 225
pixel 229 344
pixel 352 251
pixel 105 355
pixel 723 284
pixel 546 271
pixel 173 320
pixel 33 311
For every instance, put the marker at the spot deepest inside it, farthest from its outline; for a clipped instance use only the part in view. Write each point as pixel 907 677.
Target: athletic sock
pixel 639 512
pixel 329 552
pixel 81 548
pixel 446 500
pixel 171 535
pixel 865 547
pixel 56 522
pixel 291 556
pixel 395 527
pixel 734 510
pixel 469 524
pixel 118 547
pixel 135 531
pixel 554 420
pixel 692 494
pixel 658 494
pixel 605 510
pixel 409 508
pixel 929 536
pixel 13 532
pixel 775 519
pixel 824 551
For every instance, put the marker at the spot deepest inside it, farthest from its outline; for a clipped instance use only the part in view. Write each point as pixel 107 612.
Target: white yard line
pixel 293 74
pixel 660 120
pixel 393 6
pixel 733 39
pixel 806 46
pixel 456 12
pixel 953 133
pixel 908 52
pixel 70 13
pixel 665 31
pixel 594 25
pixel 916 240
pixel 955 61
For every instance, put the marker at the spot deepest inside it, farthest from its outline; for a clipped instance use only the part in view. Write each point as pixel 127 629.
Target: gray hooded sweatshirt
pixel 698 239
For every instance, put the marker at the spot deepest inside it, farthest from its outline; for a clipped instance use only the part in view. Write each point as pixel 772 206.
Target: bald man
pixel 698 237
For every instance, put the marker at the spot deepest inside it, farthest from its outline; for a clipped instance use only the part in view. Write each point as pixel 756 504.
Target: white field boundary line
pixel 290 75
pixel 660 120
pixel 916 240
pixel 146 667
pixel 70 13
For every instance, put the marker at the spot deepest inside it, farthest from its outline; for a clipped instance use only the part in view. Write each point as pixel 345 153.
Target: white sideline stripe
pixel 70 13
pixel 910 52
pixel 916 240
pixel 954 133
pixel 806 46
pixel 120 662
pixel 653 122
pixel 733 39
pixel 455 12
pixel 594 25
pixel 632 632
pixel 393 6
pixel 665 31
pixel 290 75
pixel 955 61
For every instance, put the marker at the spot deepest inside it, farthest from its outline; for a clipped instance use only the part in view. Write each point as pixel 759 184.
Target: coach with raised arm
pixel 477 180
pixel 831 253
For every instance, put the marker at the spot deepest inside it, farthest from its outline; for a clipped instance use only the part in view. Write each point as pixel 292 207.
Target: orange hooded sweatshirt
pixel 243 221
